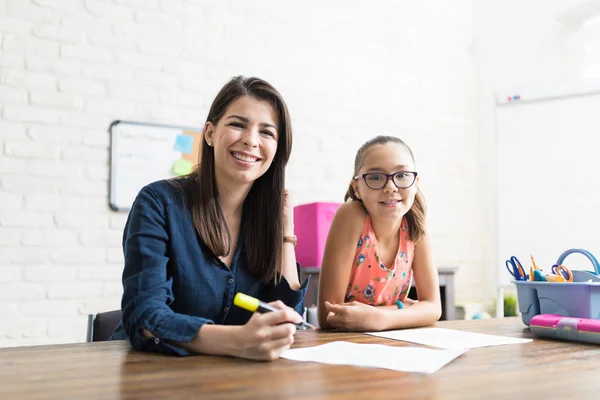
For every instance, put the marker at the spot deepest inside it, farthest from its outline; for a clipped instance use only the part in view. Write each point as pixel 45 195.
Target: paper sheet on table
pixel 398 358
pixel 448 338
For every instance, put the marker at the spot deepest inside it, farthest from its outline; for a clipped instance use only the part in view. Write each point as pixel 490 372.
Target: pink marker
pixel 566 328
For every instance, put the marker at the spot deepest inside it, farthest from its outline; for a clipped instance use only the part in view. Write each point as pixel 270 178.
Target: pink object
pixel 566 328
pixel 312 222
pixel 372 282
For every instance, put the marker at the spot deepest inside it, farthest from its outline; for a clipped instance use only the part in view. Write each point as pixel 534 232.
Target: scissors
pixel 515 268
pixel 562 272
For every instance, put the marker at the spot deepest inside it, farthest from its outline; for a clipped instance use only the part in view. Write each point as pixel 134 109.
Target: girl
pixel 191 244
pixel 376 243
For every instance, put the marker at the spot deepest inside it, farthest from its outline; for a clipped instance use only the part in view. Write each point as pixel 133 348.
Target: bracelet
pixel 399 304
pixel 291 239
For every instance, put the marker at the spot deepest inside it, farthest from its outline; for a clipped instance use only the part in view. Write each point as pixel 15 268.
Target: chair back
pixel 102 325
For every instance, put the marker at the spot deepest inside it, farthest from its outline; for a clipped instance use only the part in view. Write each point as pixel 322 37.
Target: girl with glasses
pixel 376 244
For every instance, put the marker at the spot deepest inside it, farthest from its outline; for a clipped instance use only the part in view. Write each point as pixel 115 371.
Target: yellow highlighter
pixel 251 304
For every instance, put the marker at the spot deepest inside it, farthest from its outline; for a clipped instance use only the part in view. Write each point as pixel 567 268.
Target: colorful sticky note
pixel 183 143
pixel 182 167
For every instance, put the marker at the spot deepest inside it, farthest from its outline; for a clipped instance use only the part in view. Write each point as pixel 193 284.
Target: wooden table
pixel 446 278
pixel 542 369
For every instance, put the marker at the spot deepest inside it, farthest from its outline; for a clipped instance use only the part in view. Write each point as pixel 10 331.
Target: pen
pixel 251 304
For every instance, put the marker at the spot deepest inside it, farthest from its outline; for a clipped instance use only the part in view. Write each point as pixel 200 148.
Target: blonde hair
pixel 417 213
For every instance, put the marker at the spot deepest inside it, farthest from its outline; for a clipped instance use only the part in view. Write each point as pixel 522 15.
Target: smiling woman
pixel 244 140
pixel 190 244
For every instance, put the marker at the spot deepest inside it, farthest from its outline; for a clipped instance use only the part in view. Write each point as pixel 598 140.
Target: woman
pixel 192 243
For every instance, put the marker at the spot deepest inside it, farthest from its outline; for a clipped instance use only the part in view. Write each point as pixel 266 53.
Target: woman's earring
pixel 209 143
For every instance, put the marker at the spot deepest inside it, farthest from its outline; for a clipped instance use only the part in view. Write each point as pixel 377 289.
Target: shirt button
pixel 230 280
pixel 156 340
pixel 226 309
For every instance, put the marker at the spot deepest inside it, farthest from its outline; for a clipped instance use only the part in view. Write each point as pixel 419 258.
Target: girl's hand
pixel 266 336
pixel 354 316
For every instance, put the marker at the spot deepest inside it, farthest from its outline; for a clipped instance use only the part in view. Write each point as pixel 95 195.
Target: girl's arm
pixel 338 257
pixel 357 316
pixel 407 303
pixel 429 307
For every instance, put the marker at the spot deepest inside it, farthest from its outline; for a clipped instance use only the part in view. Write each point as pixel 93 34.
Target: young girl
pixel 376 243
pixel 191 244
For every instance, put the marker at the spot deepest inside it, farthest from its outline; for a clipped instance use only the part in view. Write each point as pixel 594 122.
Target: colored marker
pixel 251 304
pixel 566 328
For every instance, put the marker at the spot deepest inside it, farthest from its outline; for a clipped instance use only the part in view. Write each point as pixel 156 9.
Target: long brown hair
pixel 262 211
pixel 417 213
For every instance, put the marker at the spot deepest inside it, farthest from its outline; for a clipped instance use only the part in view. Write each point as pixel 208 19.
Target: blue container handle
pixel 586 253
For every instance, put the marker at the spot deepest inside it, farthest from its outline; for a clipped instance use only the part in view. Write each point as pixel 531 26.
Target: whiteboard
pixel 548 180
pixel 142 153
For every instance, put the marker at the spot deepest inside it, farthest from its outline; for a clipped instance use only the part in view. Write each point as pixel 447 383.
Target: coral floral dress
pixel 373 283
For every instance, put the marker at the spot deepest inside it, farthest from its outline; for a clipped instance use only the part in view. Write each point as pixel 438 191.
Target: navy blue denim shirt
pixel 173 284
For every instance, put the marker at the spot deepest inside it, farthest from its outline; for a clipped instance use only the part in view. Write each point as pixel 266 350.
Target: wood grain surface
pixel 543 369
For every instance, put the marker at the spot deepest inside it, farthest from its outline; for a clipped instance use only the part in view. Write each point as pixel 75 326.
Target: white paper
pixel 397 358
pixel 448 338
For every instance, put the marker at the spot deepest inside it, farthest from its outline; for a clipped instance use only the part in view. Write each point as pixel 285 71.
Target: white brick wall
pixel 348 69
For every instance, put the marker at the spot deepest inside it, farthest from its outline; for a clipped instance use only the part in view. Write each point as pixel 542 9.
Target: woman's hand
pixel 266 336
pixel 354 316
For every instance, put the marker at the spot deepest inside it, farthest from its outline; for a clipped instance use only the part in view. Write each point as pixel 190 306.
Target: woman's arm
pixel 289 290
pixel 289 267
pixel 152 325
pixel 146 287
pixel 264 337
pixel 338 257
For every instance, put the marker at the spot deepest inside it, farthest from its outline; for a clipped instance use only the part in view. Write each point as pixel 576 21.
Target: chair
pixel 311 316
pixel 102 325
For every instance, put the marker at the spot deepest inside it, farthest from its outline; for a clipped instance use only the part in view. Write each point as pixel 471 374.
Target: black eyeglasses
pixel 378 180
